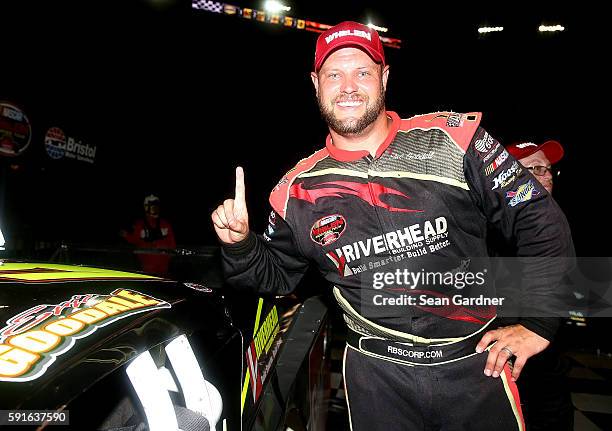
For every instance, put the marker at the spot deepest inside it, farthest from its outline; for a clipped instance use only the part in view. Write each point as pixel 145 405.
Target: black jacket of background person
pixel 438 180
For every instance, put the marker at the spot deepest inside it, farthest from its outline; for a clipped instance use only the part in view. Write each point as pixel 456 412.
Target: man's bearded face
pixel 352 125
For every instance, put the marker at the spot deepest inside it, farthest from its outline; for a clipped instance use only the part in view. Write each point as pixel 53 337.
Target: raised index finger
pixel 239 198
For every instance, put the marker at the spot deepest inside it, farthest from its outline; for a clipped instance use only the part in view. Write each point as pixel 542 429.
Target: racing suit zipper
pixel 371 161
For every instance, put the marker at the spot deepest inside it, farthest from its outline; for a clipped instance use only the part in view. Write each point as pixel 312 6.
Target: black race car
pixel 89 348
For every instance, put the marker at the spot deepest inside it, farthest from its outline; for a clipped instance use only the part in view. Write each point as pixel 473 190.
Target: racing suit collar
pixel 350 156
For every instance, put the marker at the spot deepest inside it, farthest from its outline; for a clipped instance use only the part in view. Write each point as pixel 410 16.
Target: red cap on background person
pixel 551 149
pixel 348 34
pixel 538 159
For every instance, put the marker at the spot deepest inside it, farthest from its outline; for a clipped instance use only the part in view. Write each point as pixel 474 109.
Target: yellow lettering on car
pixel 26 356
pixel 35 341
pixel 64 327
pixel 89 316
pixel 122 301
pixel 15 361
pixel 137 298
pixel 111 308
pixel 267 332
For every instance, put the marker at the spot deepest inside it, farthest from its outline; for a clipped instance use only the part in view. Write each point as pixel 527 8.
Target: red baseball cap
pixel 345 34
pixel 552 150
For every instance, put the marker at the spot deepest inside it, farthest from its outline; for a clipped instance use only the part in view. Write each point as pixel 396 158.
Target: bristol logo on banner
pixel 59 146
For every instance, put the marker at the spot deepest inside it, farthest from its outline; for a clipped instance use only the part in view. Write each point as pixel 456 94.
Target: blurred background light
pixel 275 6
pixel 377 28
pixel 551 28
pixel 482 30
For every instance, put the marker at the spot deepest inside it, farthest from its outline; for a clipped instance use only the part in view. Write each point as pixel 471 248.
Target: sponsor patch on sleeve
pixel 507 176
pixel 484 144
pixel 496 163
pixel 523 193
pixel 486 147
pixel 492 153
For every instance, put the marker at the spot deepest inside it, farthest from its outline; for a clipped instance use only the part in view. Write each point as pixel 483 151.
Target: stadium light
pixel 377 28
pixel 275 6
pixel 483 30
pixel 551 28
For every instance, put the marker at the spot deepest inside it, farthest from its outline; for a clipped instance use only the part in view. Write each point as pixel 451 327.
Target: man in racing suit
pixel 386 197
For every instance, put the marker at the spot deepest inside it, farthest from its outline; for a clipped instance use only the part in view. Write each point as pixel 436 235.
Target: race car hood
pixel 61 323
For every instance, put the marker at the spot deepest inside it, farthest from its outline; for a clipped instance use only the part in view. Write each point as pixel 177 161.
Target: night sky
pixel 175 98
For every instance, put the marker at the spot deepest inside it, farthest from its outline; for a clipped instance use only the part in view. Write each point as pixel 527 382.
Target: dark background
pixel 175 98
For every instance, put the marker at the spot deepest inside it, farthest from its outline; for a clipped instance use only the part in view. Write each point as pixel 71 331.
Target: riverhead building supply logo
pixel 58 146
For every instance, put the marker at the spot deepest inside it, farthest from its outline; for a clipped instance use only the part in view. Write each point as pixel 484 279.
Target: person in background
pixel 152 232
pixel 538 159
pixel 543 387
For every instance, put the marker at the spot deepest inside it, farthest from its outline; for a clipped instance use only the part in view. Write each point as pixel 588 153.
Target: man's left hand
pixel 514 340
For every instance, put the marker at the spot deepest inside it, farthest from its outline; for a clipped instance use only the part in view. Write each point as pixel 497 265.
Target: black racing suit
pixel 423 204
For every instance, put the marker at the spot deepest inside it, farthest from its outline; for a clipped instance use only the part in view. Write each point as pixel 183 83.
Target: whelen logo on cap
pixel 342 33
pixel 526 144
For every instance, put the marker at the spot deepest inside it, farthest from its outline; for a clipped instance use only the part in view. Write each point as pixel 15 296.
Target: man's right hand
pixel 231 220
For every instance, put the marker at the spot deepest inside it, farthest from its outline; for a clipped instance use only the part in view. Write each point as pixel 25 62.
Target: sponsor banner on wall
pixel 15 130
pixel 58 146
